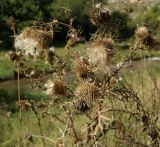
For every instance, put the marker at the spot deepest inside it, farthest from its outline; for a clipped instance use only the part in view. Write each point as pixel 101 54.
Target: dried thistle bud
pixel 100 15
pixel 108 42
pixel 59 87
pixel 15 56
pixel 82 70
pixel 31 40
pixel 142 32
pixel 74 37
pixel 101 50
pixel 56 87
pixel 98 55
pixel 87 91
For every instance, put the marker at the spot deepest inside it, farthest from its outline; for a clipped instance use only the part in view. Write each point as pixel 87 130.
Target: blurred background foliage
pixel 28 11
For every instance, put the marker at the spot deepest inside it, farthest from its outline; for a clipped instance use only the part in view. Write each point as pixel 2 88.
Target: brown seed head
pixel 98 55
pixel 44 38
pixel 59 87
pixel 100 15
pixel 101 50
pixel 142 32
pixel 82 70
pixel 87 91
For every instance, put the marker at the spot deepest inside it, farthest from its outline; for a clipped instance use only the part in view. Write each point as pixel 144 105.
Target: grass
pixel 6 68
pixel 30 127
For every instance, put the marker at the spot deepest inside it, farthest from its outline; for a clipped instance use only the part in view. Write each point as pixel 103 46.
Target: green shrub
pixel 123 24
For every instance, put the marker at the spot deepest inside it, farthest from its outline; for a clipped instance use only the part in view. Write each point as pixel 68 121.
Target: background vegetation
pixel 27 12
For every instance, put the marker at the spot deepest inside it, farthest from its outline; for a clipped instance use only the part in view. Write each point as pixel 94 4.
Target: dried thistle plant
pixel 118 112
pixel 42 39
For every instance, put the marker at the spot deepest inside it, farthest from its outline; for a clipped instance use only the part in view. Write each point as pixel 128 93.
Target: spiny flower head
pixel 101 50
pixel 87 91
pixel 142 32
pixel 59 87
pixel 100 14
pixel 81 68
pixel 56 87
pixel 30 39
pixel 98 55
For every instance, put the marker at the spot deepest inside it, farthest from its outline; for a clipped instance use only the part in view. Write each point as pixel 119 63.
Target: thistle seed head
pixel 142 32
pixel 56 87
pixel 100 15
pixel 31 39
pixel 59 87
pixel 98 55
pixel 101 50
pixel 82 70
pixel 87 91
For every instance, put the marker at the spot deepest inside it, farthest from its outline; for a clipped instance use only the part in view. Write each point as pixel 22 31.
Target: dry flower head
pixel 87 91
pixel 82 70
pixel 142 32
pixel 100 14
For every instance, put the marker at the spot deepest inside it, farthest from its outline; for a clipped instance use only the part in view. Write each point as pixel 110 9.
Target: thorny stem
pixel 20 109
pixel 44 137
pixel 19 98
pixel 73 128
pixel 39 123
pixel 143 64
pixel 104 132
pixel 56 117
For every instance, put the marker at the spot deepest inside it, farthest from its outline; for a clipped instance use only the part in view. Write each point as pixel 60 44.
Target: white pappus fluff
pixel 27 45
pixel 49 86
pixel 98 55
